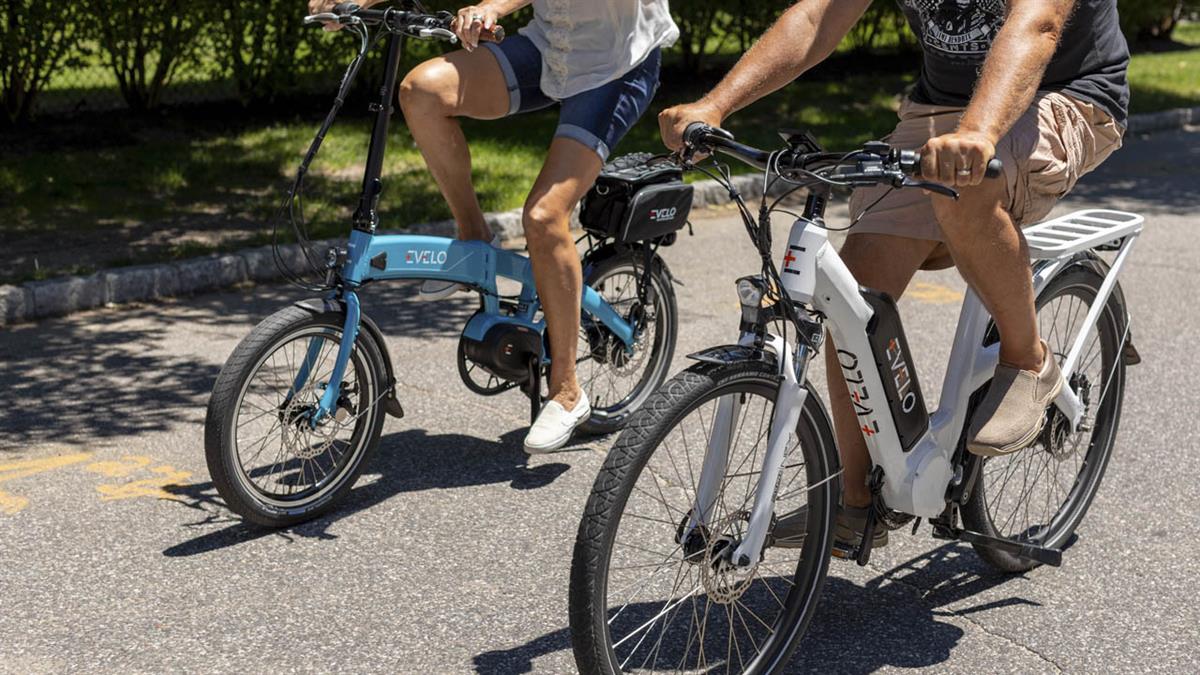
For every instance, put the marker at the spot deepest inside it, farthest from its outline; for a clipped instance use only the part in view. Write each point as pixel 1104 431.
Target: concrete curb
pixel 56 297
pixel 1166 120
pixel 123 285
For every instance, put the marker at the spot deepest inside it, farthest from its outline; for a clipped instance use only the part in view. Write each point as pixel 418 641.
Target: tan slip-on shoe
pixel 1012 414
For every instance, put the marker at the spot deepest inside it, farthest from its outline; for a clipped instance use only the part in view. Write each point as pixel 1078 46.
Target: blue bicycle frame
pixel 475 264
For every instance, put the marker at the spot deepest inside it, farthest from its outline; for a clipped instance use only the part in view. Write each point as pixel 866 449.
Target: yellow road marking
pixel 168 476
pixel 12 504
pixel 119 468
pixel 936 294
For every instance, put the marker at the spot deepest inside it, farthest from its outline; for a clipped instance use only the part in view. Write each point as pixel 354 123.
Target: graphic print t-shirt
pixel 955 36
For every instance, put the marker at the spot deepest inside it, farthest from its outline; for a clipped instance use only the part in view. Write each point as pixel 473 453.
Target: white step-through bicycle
pixel 676 566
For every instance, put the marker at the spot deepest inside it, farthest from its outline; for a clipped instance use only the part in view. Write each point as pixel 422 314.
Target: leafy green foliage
pixel 36 40
pixel 145 42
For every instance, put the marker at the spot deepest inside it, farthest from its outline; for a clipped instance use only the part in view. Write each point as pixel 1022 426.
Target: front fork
pixel 333 389
pixel 789 402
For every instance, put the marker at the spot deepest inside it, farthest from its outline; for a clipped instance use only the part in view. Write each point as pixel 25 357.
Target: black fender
pixel 814 406
pixel 367 327
pixel 612 249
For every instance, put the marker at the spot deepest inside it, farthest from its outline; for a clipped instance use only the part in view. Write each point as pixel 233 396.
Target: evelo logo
pixel 663 215
pixel 425 257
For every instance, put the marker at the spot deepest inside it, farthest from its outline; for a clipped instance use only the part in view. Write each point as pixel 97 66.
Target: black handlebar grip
pixel 345 8
pixel 693 133
pixel 995 168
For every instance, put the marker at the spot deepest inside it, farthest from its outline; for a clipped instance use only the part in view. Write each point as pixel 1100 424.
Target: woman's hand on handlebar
pixel 672 122
pixel 473 22
pixel 959 159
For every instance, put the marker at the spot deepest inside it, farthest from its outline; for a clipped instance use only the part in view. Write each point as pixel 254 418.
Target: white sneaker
pixel 432 289
pixel 555 425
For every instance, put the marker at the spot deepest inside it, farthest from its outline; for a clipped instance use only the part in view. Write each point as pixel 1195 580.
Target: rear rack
pixel 1081 231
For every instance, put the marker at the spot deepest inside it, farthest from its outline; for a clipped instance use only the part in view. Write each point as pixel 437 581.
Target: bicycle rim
pixel 280 459
pixel 1041 493
pixel 676 609
pixel 614 380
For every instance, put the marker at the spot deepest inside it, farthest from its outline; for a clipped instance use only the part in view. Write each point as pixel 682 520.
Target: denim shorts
pixel 599 117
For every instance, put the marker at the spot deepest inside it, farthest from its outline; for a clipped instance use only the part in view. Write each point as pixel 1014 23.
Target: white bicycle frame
pixel 915 481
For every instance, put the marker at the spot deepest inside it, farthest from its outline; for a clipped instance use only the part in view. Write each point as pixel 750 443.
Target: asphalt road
pixel 452 553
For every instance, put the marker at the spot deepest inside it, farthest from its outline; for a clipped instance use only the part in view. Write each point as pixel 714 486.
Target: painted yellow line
pixel 119 468
pixel 168 476
pixel 12 504
pixel 935 294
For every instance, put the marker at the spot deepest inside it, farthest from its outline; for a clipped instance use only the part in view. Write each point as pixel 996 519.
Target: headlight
pixel 751 291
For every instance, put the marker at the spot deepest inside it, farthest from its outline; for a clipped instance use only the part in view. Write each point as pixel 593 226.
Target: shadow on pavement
pixel 1139 174
pixel 890 621
pixel 409 461
pixel 134 370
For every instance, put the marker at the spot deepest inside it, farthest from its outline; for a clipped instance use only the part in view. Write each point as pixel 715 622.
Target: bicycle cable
pixel 293 204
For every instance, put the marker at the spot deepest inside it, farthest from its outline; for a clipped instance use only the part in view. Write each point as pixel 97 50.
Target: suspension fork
pixel 788 404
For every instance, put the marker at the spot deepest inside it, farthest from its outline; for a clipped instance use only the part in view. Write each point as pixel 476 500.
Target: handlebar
pixel 415 24
pixel 874 164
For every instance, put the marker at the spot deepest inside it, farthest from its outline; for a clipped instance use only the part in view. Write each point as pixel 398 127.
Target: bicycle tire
pixel 234 482
pixel 612 417
pixel 689 391
pixel 982 509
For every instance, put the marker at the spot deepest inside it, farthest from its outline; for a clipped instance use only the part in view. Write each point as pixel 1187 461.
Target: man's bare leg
pixel 569 171
pixel 433 95
pixel 993 257
pixel 884 263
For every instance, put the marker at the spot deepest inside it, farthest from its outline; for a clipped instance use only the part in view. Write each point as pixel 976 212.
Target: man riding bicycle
pixel 599 61
pixel 1041 84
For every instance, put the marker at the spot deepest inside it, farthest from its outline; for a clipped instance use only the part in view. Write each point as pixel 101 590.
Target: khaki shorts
pixel 1057 141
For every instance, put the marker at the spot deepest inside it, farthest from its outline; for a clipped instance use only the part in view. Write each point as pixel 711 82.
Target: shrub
pixel 145 42
pixel 36 40
pixel 1153 19
pixel 257 44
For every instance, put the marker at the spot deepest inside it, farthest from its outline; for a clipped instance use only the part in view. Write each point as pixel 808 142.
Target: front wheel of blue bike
pixel 618 379
pixel 274 461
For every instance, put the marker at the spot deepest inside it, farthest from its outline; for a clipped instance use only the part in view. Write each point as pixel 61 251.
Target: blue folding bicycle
pixel 299 406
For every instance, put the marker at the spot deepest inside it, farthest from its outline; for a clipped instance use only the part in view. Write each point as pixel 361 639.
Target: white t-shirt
pixel 589 43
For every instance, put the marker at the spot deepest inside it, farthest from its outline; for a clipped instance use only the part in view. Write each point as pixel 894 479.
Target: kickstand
pixel 868 536
pixel 534 388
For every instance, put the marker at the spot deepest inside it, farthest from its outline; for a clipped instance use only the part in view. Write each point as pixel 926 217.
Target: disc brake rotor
pixel 723 581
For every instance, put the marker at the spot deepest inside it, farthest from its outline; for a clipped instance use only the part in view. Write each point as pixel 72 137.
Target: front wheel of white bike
pixel 643 600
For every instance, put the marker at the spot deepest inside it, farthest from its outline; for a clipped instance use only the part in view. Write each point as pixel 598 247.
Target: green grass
pixel 179 169
pixel 1170 79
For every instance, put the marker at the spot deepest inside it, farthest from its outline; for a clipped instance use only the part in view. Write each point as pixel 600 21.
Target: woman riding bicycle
pixel 600 62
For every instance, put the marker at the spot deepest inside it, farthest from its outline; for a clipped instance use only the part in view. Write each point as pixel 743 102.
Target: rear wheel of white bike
pixel 1042 493
pixel 643 600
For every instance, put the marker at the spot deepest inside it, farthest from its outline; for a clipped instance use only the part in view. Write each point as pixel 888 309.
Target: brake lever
pixel 936 188
pixel 324 17
pixel 448 36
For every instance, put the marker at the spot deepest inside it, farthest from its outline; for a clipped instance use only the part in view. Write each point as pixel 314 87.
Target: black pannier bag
pixel 637 199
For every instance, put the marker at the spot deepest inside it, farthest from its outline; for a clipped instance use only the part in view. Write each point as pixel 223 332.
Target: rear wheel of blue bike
pixel 270 461
pixel 616 378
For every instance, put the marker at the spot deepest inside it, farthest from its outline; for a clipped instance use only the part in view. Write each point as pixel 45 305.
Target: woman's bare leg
pixel 570 170
pixel 433 95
